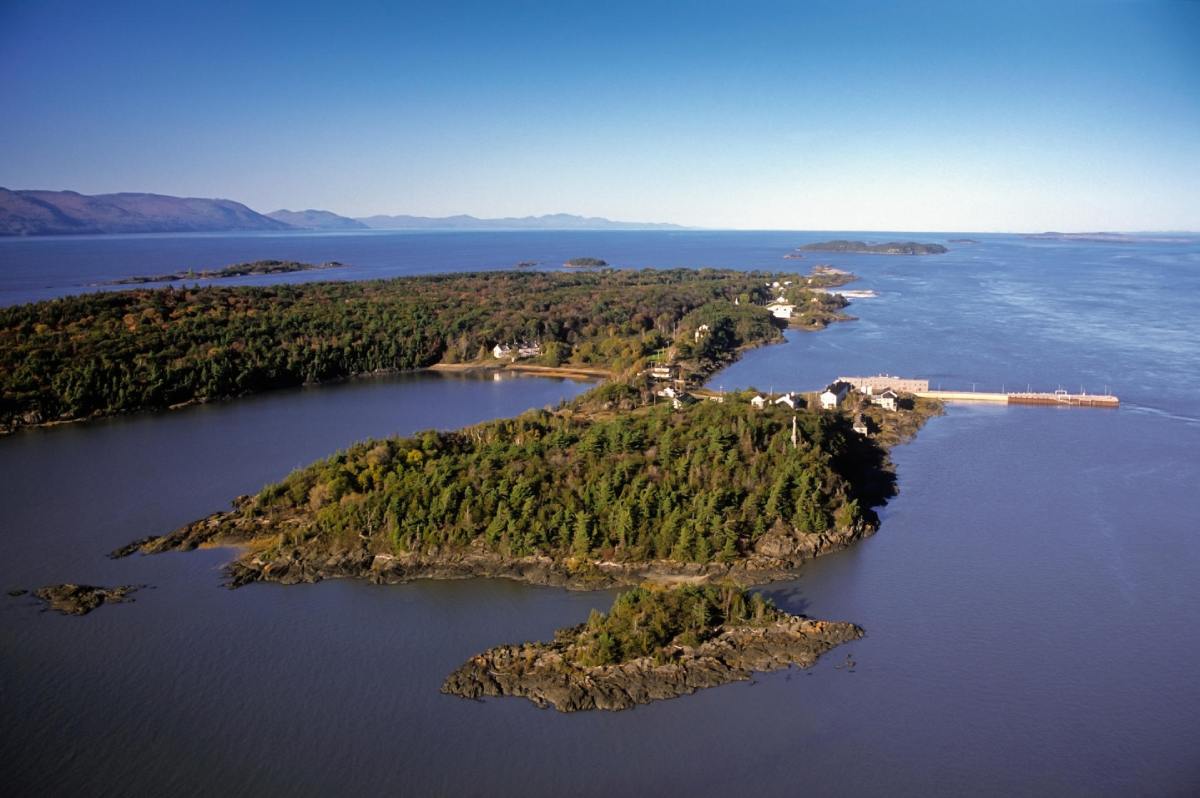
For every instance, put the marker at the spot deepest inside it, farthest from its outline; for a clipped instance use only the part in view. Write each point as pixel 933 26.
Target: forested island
pixel 236 270
pixel 890 248
pixel 586 263
pixel 119 352
pixel 654 643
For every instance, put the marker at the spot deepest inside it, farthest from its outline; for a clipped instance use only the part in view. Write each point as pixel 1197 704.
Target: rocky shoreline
pixel 546 674
pixel 777 556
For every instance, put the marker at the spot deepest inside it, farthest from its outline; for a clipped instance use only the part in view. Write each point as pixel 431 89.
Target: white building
pixel 661 372
pixel 781 308
pixel 886 400
pixel 834 395
pixel 701 331
pixel 678 398
pixel 791 399
pixel 514 351
pixel 758 402
pixel 882 382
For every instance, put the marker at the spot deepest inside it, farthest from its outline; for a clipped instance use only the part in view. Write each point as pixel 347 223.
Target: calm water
pixel 1030 600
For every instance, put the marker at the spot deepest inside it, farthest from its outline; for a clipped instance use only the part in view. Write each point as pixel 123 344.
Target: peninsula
pixel 653 644
pixel 861 247
pixel 645 478
pixel 615 488
pixel 237 270
pixel 119 352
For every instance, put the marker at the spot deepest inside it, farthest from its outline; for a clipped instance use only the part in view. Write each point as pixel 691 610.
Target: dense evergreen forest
pixel 108 353
pixel 649 622
pixel 587 482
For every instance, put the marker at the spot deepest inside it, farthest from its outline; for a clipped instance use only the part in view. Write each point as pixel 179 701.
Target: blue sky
pixel 799 115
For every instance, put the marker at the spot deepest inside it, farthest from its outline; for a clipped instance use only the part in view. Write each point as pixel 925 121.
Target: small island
pixel 654 643
pixel 585 263
pixel 861 247
pixel 236 270
pixel 962 241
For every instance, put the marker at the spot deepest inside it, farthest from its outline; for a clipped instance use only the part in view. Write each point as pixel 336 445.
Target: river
pixel 1030 599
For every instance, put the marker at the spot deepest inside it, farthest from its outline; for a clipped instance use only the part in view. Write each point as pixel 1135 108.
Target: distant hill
pixel 1114 238
pixel 68 212
pixel 316 220
pixel 553 221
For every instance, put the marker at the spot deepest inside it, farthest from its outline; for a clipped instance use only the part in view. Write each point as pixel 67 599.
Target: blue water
pixel 1030 600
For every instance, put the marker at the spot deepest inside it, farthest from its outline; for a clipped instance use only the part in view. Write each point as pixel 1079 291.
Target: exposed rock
pixel 72 599
pixel 541 672
pixel 777 556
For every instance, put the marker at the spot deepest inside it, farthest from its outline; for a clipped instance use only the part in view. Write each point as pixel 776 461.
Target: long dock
pixel 1057 398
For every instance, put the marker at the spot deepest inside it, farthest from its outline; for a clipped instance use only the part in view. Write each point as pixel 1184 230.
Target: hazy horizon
pixel 1073 117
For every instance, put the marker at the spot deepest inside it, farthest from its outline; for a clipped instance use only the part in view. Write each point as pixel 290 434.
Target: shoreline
pixel 580 372
pixel 550 674
pixel 566 372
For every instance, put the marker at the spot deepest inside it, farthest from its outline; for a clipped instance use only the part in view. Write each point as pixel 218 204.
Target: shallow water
pixel 1029 601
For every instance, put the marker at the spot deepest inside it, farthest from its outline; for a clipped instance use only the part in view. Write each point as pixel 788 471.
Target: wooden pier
pixel 1057 398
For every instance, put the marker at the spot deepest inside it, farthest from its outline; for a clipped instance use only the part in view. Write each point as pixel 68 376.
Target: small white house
pixel 701 331
pixel 514 351
pixel 790 399
pixel 886 400
pixel 678 398
pixel 833 396
pixel 860 426
pixel 758 402
pixel 781 308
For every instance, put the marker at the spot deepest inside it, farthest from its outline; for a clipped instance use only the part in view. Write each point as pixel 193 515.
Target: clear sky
pixel 799 115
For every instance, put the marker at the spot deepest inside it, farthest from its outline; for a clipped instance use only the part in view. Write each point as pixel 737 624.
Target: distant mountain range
pixel 553 221
pixel 68 212
pixel 34 212
pixel 316 220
